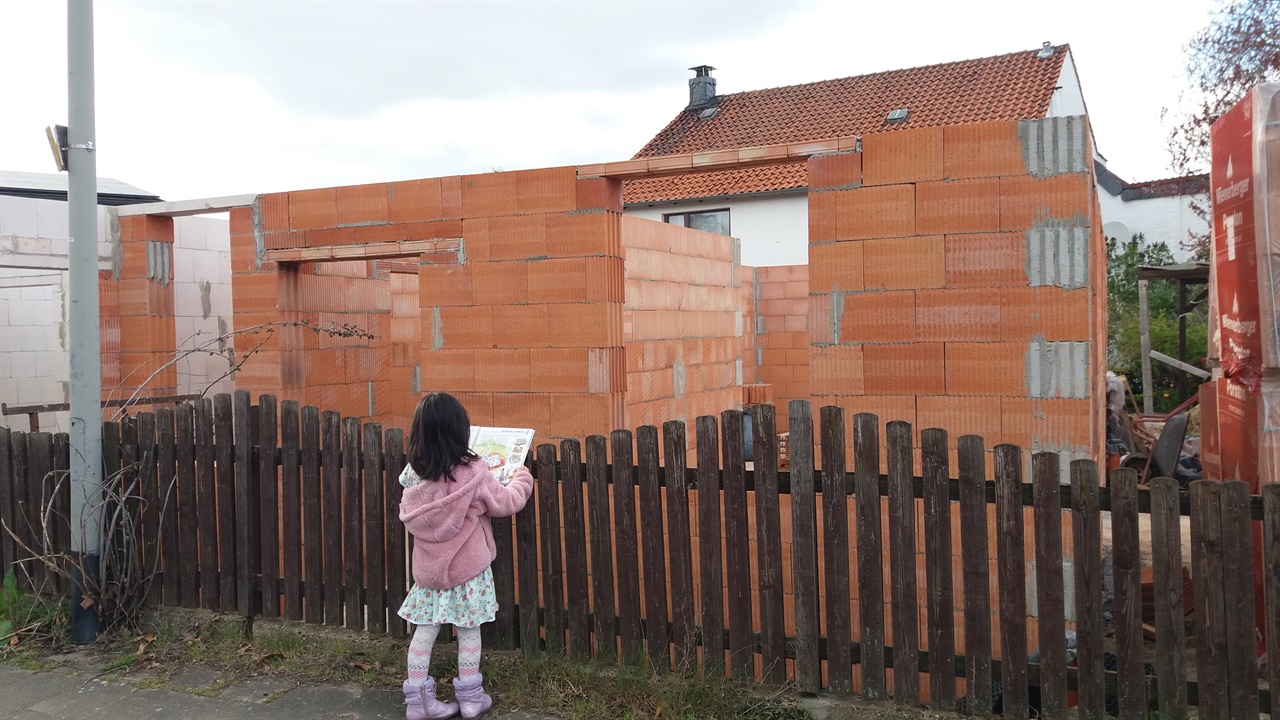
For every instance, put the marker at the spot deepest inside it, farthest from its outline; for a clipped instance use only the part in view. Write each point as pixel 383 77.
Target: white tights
pixel 424 638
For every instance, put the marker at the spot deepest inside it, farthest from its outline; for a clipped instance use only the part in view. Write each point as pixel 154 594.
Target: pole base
pixel 84 621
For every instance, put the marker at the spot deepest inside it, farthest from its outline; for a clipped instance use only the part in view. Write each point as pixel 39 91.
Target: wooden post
pixel 1144 327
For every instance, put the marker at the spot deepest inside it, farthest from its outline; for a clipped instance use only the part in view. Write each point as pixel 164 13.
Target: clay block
pixel 961 314
pixel 449 370
pixel 822 217
pixel 904 263
pixel 958 206
pixel 1050 312
pixel 960 416
pixel 836 267
pixel 599 194
pixel 991 369
pixel 462 327
pixel 309 209
pixel 530 410
pixel 1024 200
pixel 906 369
pixel 520 326
pixel 837 370
pixel 560 369
pixel 872 212
pixel 414 200
pixel 581 279
pixel 547 190
pixel 517 237
pixel 876 317
pixel 489 194
pixel 585 324
pixel 835 171
pixel 902 156
pixel 986 260
pixel 441 285
pixel 982 150
pixel 362 203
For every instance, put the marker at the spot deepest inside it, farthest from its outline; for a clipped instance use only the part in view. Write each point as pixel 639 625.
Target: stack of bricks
pixel 685 331
pixel 517 305
pixel 782 356
pixel 144 300
pixel 109 330
pixel 957 281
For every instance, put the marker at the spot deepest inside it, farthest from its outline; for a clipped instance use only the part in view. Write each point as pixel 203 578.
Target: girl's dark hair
pixel 439 438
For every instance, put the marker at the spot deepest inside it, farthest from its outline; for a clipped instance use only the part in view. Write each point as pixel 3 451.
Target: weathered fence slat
pixel 977 573
pixel 312 493
pixel 935 467
pixel 8 550
pixel 552 559
pixel 1128 589
pixel 602 576
pixel 167 486
pixel 527 577
pixel 291 508
pixel 737 547
pixel 23 517
pixel 902 562
pixel 1086 534
pixel 397 586
pixel 149 494
pixel 577 590
pixel 1171 634
pixel 225 465
pixel 773 639
pixel 207 504
pixel 375 579
pixel 353 546
pixel 866 441
pixel 39 465
pixel 248 509
pixel 1271 560
pixel 657 639
pixel 804 548
pixel 61 506
pixel 683 625
pixel 269 506
pixel 331 468
pixel 628 550
pixel 125 486
pixel 188 515
pixel 1211 622
pixel 835 529
pixel 1238 600
pixel 710 559
pixel 1050 590
pixel 1010 567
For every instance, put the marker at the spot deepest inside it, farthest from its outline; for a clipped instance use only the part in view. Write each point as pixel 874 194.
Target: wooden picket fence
pixel 289 512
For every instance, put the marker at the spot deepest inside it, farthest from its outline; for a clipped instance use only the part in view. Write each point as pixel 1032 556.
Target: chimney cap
pixel 1046 50
pixel 702 70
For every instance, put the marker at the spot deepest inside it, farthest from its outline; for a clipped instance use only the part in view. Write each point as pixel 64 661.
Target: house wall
pixel 1068 99
pixel 1169 220
pixel 950 288
pixel 688 343
pixel 772 228
pixel 34 300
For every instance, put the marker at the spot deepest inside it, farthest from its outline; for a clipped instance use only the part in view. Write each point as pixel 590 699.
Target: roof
pixel 1149 189
pixel 1191 272
pixel 51 186
pixel 1016 86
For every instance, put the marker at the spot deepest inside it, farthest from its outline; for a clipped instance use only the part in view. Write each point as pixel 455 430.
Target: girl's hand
pixel 522 475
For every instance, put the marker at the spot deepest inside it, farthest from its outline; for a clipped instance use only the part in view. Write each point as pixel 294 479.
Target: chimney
pixel 702 87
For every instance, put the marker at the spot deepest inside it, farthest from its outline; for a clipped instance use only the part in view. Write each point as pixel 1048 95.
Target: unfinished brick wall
pixel 958 281
pixel 144 302
pixel 517 299
pixel 782 330
pixel 683 323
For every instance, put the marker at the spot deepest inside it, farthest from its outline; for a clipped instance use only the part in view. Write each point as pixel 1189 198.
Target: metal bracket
pixel 83 146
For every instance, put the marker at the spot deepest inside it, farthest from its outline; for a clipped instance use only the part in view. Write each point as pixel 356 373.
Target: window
pixel 716 221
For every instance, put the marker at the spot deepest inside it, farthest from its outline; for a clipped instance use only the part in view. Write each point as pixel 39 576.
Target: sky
pixel 203 99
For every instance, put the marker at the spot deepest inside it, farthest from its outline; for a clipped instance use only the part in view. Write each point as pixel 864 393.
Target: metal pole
pixel 1144 326
pixel 86 373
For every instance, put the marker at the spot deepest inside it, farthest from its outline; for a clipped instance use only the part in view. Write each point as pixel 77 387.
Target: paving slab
pixel 84 700
pixel 156 704
pixel 305 703
pixel 195 679
pixel 373 705
pixel 258 690
pixel 24 689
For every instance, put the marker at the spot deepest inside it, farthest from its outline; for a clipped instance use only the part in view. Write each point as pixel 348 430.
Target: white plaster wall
pixel 202 302
pixel 1068 99
pixel 773 229
pixel 34 364
pixel 1168 220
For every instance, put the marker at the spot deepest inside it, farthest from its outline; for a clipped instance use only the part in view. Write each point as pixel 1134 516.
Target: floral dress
pixel 468 605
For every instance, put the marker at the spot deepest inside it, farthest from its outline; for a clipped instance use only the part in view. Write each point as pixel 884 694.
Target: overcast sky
pixel 199 99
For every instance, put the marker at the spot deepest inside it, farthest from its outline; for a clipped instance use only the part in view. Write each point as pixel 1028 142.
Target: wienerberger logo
pixel 1236 391
pixel 1232 191
pixel 1238 326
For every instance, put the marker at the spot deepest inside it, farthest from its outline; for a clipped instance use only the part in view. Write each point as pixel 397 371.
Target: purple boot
pixel 420 702
pixel 471 698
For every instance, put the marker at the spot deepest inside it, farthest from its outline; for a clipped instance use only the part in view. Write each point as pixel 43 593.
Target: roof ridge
pixel 1057 52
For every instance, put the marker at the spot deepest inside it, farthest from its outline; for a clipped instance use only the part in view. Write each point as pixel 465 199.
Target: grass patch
pixel 26 659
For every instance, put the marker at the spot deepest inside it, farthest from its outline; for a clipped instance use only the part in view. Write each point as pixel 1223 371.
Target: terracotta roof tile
pixel 1016 86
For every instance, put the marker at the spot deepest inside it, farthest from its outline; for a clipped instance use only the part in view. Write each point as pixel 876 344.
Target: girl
pixel 448 499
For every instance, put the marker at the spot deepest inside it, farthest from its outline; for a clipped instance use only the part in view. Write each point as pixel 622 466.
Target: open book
pixel 503 450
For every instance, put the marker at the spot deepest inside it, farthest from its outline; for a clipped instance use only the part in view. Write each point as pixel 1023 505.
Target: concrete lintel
pixel 180 208
pixel 43 262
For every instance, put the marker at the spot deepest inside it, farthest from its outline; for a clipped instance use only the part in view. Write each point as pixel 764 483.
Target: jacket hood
pixel 439 507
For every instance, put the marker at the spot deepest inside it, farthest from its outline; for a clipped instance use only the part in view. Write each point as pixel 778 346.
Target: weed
pixel 27 616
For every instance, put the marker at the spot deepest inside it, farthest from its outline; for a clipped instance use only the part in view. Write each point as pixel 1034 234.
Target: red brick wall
pixel 686 335
pixel 782 307
pixel 934 301
pixel 144 301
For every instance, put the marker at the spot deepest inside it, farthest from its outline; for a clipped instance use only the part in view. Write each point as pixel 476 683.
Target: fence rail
pixel 911 584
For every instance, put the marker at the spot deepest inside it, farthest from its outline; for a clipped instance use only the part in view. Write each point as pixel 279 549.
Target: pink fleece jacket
pixel 449 522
